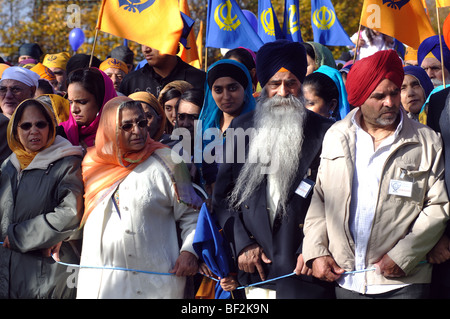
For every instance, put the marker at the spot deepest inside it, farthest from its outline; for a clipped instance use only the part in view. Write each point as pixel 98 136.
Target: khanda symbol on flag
pixel 395 4
pixel 403 20
pixel 291 24
pixel 228 27
pixel 326 27
pixel 226 22
pixel 268 27
pixel 154 23
pixel 267 21
pixel 135 5
pixel 324 18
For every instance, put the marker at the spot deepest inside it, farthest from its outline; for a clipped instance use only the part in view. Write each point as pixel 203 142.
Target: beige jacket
pixel 406 228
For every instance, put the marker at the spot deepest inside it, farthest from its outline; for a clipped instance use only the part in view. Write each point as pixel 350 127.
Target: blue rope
pixel 215 279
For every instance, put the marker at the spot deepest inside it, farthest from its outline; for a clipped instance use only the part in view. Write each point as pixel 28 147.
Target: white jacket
pixel 143 238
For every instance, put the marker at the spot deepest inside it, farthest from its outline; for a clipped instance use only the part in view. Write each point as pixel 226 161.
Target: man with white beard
pixel 261 203
pixel 429 58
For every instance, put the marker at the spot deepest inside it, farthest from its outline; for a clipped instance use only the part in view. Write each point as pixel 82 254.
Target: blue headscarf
pixel 422 76
pixel 335 75
pixel 211 114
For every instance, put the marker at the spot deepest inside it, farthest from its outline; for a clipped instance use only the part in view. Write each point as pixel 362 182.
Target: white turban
pixel 20 74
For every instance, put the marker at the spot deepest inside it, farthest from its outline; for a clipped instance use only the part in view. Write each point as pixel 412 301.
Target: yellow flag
pixel 189 55
pixel 442 3
pixel 404 20
pixel 154 23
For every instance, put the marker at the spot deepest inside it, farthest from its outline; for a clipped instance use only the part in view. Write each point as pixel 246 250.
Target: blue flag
pixel 227 27
pixel 291 23
pixel 326 27
pixel 212 249
pixel 268 27
pixel 188 23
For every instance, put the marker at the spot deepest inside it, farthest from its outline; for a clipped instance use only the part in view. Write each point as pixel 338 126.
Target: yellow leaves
pixel 49 28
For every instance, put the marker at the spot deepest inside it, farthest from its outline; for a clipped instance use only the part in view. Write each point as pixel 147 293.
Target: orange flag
pixel 189 55
pixel 154 23
pixel 404 20
pixel 442 3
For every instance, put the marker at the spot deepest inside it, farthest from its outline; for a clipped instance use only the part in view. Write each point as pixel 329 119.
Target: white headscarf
pixel 20 74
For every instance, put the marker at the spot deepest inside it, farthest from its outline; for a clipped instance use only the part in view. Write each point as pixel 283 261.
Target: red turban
pixel 367 73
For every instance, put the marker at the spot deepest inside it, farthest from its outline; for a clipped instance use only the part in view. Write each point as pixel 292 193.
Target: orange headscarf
pixel 105 165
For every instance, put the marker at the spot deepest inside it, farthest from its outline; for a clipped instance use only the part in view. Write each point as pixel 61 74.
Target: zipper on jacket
pixel 49 168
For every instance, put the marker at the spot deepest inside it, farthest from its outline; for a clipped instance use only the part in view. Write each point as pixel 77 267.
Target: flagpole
pixel 440 44
pixel 357 43
pixel 359 37
pixel 93 47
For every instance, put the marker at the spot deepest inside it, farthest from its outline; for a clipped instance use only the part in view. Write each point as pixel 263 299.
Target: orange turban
pixel 3 67
pixel 367 73
pixel 446 31
pixel 44 72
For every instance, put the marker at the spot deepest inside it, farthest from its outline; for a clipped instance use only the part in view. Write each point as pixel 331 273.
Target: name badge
pixel 400 188
pixel 305 188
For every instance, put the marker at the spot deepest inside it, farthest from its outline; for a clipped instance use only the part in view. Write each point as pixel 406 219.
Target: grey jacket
pixel 40 206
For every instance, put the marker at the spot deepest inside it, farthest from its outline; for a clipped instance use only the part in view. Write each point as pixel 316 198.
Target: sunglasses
pixel 28 125
pixel 129 126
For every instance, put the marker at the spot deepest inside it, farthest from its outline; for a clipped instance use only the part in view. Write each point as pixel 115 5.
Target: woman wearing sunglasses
pixel 41 198
pixel 136 190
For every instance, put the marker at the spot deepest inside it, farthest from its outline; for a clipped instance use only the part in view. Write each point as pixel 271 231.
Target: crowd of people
pixel 335 173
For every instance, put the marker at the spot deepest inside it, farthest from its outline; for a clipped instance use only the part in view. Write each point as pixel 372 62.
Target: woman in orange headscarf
pixel 136 190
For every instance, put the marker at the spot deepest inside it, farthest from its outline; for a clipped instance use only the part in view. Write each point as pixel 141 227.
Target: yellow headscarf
pixel 14 143
pixel 60 105
pixel 150 99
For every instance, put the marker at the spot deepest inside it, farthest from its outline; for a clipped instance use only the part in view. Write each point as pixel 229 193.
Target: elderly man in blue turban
pixel 429 58
pixel 261 202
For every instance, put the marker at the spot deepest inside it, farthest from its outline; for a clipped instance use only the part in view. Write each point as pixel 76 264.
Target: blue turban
pixel 432 45
pixel 278 54
pixel 422 76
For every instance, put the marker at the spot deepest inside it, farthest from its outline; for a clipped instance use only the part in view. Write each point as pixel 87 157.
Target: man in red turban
pixel 379 204
pixel 365 75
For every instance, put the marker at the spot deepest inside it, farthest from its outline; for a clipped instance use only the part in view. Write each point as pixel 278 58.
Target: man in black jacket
pixel 160 70
pixel 261 202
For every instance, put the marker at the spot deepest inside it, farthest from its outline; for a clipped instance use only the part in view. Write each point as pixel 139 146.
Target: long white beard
pixel 275 149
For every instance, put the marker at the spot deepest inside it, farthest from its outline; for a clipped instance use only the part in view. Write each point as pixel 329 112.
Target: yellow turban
pixel 43 72
pixel 57 60
pixel 113 63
